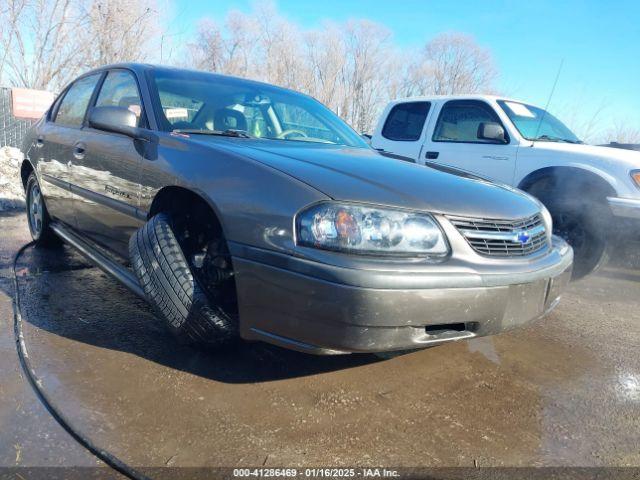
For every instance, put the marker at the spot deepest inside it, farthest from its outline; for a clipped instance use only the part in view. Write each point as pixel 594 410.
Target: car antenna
pixel 553 89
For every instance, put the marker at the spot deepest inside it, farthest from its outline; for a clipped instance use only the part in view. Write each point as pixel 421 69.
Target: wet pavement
pixel 563 391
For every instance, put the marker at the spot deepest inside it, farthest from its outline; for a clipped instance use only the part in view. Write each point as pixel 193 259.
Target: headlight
pixel 369 230
pixel 635 176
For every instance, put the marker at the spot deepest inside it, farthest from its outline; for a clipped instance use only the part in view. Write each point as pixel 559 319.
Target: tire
pixel 171 287
pixel 37 215
pixel 582 224
pixel 583 230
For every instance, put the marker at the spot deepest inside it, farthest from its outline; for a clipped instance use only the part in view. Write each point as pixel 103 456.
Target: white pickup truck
pixel 592 192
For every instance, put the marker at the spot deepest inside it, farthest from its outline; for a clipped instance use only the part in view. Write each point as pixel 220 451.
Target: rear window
pixel 405 121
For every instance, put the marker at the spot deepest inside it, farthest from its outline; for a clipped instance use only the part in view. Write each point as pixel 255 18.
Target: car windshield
pixel 203 103
pixel 534 123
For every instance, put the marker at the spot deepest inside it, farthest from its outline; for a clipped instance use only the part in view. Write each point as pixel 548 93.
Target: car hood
pixel 366 176
pixel 596 154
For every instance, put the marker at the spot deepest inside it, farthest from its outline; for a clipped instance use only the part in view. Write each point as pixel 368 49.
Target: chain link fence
pixel 12 130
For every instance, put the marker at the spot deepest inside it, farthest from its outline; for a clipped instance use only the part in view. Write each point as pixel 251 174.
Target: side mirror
pixel 119 120
pixel 491 131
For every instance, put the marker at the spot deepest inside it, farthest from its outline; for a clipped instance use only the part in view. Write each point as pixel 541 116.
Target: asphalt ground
pixel 563 391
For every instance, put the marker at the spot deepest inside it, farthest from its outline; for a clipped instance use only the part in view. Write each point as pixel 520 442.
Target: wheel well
pixel 179 201
pixel 25 170
pixel 198 229
pixel 568 182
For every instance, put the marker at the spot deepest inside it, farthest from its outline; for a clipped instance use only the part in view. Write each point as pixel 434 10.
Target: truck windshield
pixel 534 123
pixel 209 104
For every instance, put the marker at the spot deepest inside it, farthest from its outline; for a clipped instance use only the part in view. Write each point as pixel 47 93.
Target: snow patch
pixel 11 191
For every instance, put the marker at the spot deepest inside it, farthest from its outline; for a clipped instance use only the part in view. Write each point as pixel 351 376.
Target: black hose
pixel 108 458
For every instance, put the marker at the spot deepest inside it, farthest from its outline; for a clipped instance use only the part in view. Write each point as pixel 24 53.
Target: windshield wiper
pixel 224 133
pixel 547 138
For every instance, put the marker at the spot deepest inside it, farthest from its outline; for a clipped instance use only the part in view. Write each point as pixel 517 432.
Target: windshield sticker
pixel 520 110
pixel 173 113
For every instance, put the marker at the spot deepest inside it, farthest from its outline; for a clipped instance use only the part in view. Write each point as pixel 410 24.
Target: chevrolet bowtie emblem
pixel 523 236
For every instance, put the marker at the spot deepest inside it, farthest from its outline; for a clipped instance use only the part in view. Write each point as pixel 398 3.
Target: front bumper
pixel 625 207
pixel 324 309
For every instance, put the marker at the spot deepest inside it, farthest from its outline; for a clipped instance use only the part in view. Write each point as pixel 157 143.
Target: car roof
pixel 141 68
pixel 441 98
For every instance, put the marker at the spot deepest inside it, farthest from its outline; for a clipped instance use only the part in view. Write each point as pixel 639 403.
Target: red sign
pixel 29 104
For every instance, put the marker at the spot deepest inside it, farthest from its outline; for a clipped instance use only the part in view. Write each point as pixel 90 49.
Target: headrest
pixel 229 119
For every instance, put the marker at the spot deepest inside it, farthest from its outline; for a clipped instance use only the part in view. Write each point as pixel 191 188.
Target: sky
pixel 596 41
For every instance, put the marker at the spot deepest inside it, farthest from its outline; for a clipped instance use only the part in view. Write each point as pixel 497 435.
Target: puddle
pixel 484 346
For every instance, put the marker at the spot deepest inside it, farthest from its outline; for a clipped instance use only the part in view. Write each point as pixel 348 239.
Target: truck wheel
pixel 584 231
pixel 191 310
pixel 37 215
pixel 581 223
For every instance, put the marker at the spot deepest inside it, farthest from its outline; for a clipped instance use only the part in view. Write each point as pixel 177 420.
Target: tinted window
pixel 74 104
pixel 405 121
pixel 459 121
pixel 120 90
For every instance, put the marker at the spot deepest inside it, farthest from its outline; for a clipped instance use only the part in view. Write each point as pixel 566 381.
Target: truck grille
pixel 504 238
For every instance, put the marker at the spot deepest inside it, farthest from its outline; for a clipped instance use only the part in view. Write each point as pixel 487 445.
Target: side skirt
pixel 117 271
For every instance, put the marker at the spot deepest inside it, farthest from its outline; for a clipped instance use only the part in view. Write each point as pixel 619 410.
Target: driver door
pixel 105 177
pixel 455 142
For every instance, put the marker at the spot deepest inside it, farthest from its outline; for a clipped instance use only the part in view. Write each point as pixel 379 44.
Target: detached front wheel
pixel 193 308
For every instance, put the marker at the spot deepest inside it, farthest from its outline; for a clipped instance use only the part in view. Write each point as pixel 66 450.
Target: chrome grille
pixel 504 238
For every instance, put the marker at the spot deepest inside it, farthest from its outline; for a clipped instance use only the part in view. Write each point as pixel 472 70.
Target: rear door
pixel 454 141
pixel 105 178
pixel 56 140
pixel 403 131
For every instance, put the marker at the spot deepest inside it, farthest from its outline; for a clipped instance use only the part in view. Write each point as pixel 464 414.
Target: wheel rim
pixel 36 210
pixel 570 229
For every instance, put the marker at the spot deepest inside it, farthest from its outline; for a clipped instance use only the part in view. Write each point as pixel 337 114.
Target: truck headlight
pixel 635 176
pixel 369 230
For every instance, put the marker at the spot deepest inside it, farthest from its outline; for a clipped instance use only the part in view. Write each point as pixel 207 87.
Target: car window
pixel 208 102
pixel 405 121
pixel 297 119
pixel 179 110
pixel 534 123
pixel 120 89
pixel 460 119
pixel 74 104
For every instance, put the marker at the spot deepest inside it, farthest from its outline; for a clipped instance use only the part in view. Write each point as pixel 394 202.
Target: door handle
pixel 40 142
pixel 432 155
pixel 79 151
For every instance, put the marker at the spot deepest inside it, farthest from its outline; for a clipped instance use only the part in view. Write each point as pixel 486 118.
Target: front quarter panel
pixel 255 203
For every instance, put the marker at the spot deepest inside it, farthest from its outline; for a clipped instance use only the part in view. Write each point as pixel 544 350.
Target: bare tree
pixel 120 31
pixel 451 63
pixel 39 49
pixel 365 73
pixel 229 49
pixel 10 16
pixel 46 43
pixel 262 45
pixel 584 122
pixel 325 53
pixel 622 132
